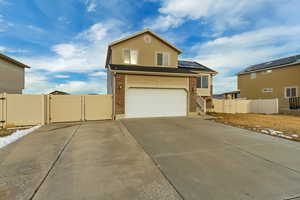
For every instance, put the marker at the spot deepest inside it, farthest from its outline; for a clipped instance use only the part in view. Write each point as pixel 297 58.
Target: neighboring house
pixel 12 74
pixel 275 79
pixel 147 80
pixel 57 92
pixel 228 95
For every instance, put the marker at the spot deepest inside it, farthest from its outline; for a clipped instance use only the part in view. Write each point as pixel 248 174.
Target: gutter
pixel 154 73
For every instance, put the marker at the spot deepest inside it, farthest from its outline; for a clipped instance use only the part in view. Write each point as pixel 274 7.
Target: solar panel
pixel 274 63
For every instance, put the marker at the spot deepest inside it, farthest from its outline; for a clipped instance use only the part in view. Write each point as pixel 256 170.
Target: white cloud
pixel 97 32
pixel 228 55
pixel 86 52
pixel 9 50
pixel 90 5
pixel 221 14
pixel 98 74
pixel 67 50
pixel 62 76
pixel 40 83
pixel 163 22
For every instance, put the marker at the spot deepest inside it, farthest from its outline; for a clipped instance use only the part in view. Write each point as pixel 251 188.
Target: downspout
pixel 114 94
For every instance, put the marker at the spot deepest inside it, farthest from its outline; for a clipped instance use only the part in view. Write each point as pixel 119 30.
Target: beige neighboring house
pixel 147 79
pixel 274 79
pixel 12 75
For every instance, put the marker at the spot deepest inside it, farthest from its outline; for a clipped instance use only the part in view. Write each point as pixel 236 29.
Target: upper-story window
pixel 253 75
pixel 202 81
pixel 162 59
pixel 130 56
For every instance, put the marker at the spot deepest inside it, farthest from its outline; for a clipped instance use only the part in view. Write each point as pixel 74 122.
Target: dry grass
pixel 289 125
pixel 5 132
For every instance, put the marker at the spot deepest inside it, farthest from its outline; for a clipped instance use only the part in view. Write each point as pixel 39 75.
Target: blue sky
pixel 65 42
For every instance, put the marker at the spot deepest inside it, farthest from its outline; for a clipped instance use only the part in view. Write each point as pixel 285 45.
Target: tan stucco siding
pixel 278 79
pixel 157 82
pixel 146 51
pixel 11 77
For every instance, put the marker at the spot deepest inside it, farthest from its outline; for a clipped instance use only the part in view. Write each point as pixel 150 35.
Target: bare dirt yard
pixel 284 126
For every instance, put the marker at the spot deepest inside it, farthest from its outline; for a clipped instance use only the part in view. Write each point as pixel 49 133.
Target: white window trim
pixel 297 94
pixel 169 59
pixel 123 56
pixel 266 90
pixel 208 82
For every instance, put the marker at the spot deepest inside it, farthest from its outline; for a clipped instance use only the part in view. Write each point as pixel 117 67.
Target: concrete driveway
pixel 76 161
pixel 210 161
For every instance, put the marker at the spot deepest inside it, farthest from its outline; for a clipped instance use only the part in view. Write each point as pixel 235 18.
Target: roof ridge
pixel 142 32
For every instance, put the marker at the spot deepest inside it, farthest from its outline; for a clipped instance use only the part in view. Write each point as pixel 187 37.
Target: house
pixel 12 74
pixel 274 79
pixel 57 92
pixel 146 78
pixel 228 95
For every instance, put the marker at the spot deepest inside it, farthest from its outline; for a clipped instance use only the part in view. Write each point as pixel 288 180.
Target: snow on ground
pixel 16 135
pixel 278 133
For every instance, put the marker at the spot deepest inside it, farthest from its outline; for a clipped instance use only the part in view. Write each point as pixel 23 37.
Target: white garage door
pixel 155 103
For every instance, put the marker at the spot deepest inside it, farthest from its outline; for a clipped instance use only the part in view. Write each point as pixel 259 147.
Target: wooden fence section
pixel 294 103
pixel 25 109
pixel 266 106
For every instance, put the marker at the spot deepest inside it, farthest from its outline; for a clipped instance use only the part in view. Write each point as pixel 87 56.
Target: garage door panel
pixel 155 102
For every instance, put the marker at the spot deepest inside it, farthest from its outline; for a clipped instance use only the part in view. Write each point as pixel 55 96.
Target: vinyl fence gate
pixel 28 109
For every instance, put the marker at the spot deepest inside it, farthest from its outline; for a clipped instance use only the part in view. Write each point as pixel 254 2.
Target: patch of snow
pixel 285 136
pixel 273 132
pixel 295 135
pixel 265 131
pixel 16 135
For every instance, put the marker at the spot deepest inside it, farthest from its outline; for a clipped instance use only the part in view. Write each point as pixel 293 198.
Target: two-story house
pixel 147 80
pixel 274 79
pixel 12 74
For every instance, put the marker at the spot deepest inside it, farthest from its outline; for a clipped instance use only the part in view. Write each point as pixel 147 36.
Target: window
pixel 253 75
pixel 162 59
pixel 202 81
pixel 130 56
pixel 267 90
pixel 290 92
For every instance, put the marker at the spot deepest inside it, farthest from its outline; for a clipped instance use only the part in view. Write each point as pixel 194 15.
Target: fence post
pixel 3 110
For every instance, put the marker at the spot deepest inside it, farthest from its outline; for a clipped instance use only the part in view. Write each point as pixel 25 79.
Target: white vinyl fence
pixel 266 106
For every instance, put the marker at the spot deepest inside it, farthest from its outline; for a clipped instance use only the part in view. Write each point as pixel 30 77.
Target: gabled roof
pixel 142 32
pixel 4 57
pixel 193 65
pixel 282 62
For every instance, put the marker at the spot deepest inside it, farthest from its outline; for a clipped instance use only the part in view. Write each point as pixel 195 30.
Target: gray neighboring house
pixel 12 75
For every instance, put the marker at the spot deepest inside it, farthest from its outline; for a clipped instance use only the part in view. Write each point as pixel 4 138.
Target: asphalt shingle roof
pixel 274 63
pixel 150 69
pixel 193 65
